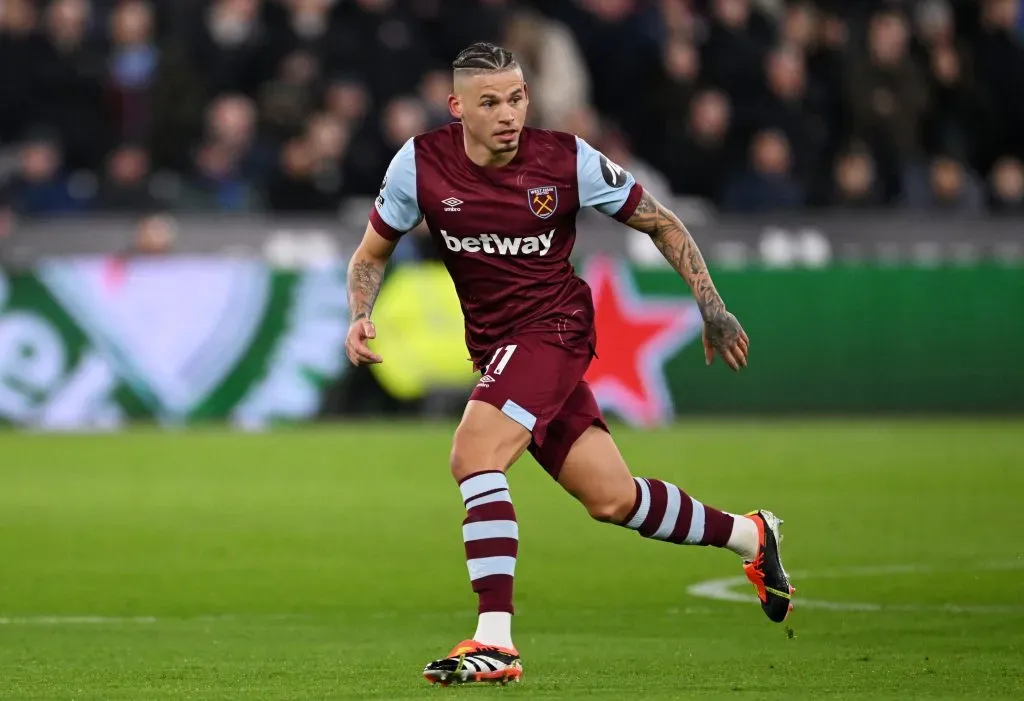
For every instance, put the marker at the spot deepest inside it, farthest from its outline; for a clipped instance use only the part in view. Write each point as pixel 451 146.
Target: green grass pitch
pixel 327 563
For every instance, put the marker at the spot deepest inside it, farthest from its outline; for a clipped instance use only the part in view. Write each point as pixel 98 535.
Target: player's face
pixel 492 107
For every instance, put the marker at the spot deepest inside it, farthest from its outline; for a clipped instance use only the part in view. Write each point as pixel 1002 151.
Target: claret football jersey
pixel 506 233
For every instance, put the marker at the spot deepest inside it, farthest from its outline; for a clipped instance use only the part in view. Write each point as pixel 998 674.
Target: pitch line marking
pixel 722 590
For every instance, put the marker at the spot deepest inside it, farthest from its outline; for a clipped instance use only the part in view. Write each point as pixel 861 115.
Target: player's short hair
pixel 484 57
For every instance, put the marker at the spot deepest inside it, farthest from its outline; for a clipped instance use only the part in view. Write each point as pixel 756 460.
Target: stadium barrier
pixel 859 339
pixel 798 239
pixel 93 343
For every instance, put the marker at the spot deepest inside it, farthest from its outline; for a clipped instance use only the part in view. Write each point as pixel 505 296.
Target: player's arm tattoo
pixel 680 250
pixel 364 277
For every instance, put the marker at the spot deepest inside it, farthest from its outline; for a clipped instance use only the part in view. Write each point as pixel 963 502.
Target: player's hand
pixel 725 336
pixel 361 331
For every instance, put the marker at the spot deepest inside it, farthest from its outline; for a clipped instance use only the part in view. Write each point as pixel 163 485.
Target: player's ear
pixel 455 106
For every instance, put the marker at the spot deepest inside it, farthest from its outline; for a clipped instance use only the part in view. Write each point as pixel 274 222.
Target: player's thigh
pixel 595 472
pixel 486 439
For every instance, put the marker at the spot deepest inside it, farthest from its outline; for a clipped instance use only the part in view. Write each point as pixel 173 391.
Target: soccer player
pixel 500 201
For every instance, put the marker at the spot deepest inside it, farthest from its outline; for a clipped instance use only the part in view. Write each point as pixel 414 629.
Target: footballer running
pixel 500 200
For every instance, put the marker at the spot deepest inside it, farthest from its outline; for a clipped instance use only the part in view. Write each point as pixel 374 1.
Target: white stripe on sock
pixel 645 504
pixel 487 566
pixel 668 524
pixel 484 530
pixel 696 532
pixel 479 484
pixel 489 499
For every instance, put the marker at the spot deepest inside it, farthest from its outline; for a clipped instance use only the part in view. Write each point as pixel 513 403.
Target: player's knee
pixel 611 508
pixel 460 462
pixel 486 442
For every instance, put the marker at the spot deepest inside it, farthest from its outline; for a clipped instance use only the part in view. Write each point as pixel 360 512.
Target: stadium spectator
pixel 946 185
pixel 888 97
pixel 701 152
pixel 782 102
pixel 855 181
pixel 228 45
pixel 132 66
pixel 676 82
pixel 310 175
pixel 42 183
pixel 125 185
pixel 289 96
pixel 155 236
pixel 68 80
pixel 1000 67
pixel 1007 186
pixel 738 37
pixel 769 183
pixel 962 118
pixel 433 90
pixel 20 50
pixel 552 64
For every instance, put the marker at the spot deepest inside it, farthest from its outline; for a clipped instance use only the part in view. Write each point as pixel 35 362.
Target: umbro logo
pixel 452 204
pixel 484 381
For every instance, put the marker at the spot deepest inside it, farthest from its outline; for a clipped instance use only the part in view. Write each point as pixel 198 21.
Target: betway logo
pixel 501 245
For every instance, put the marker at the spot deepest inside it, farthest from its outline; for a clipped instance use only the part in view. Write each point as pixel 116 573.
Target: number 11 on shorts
pixel 506 354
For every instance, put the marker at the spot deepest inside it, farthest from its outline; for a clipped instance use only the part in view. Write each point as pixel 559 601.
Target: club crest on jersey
pixel 543 200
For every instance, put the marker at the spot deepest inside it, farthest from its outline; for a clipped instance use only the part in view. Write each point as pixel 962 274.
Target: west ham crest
pixel 543 200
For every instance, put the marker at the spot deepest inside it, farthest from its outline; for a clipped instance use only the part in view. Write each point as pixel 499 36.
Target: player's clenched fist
pixel 361 331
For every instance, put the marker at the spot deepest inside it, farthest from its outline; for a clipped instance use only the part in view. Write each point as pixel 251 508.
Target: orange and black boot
pixel 470 661
pixel 766 572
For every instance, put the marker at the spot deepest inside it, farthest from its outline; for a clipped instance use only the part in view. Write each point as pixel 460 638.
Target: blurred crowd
pixel 296 105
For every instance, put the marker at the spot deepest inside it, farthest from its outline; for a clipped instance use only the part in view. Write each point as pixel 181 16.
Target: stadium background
pixel 182 183
pixel 851 169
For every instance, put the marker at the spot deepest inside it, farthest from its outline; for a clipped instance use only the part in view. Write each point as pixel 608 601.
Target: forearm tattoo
pixel 364 279
pixel 680 250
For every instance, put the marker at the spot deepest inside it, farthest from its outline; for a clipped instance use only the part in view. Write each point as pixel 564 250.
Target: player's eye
pixel 487 103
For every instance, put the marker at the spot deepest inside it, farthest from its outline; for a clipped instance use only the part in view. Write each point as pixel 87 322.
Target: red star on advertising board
pixel 636 336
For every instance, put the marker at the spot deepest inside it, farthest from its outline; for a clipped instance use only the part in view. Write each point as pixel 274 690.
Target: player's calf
pixel 595 473
pixel 663 511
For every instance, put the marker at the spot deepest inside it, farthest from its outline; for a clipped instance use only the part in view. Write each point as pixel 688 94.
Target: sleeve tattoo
pixel 364 280
pixel 680 250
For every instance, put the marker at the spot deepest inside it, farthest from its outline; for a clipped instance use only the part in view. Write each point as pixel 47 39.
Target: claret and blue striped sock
pixel 663 511
pixel 491 536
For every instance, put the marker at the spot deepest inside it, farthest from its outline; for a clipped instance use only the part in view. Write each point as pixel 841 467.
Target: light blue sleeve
pixel 603 185
pixel 396 203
